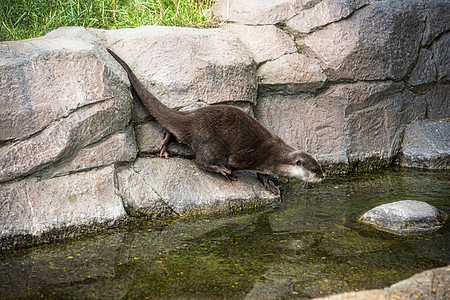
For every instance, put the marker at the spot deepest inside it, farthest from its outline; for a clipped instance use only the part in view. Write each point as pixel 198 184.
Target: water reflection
pixel 308 246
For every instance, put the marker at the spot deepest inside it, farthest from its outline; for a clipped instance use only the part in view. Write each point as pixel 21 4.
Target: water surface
pixel 307 246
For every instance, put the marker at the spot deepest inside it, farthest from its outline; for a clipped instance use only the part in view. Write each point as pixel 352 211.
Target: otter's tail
pixel 162 113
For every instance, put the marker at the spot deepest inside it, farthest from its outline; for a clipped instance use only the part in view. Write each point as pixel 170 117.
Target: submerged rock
pixel 403 217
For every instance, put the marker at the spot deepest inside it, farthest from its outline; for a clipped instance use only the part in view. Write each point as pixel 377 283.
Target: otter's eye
pixel 298 162
pixel 314 171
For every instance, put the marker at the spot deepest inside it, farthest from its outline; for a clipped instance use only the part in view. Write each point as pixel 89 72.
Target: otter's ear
pixel 298 162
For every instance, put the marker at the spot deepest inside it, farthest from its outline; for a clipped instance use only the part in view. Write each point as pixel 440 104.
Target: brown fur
pixel 225 139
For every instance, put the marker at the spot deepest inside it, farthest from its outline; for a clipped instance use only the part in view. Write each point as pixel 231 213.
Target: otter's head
pixel 303 166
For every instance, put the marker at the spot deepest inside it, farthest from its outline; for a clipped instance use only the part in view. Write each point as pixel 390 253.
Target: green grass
pixel 22 19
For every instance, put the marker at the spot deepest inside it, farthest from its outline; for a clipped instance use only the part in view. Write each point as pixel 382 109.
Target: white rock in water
pixel 402 217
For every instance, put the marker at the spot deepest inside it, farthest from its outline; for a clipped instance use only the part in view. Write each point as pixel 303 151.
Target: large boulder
pixel 323 13
pixel 356 50
pixel 346 123
pixel 116 148
pixel 306 123
pixel 65 110
pixel 59 95
pixel 257 12
pixel 185 67
pixel 426 145
pixel 281 67
pixel 265 43
pixel 57 81
pixel 437 21
pixel 178 187
pixel 424 71
pixel 293 73
pixel 442 58
pixel 33 208
pixel 46 79
pixel 432 64
pixel 60 139
pixel 438 102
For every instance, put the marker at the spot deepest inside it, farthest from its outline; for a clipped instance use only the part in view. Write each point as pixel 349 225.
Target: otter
pixel 226 139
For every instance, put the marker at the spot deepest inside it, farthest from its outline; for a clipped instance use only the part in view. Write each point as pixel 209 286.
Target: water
pixel 309 245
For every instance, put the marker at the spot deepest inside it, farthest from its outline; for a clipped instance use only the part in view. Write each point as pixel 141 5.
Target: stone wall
pixel 342 79
pixel 339 79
